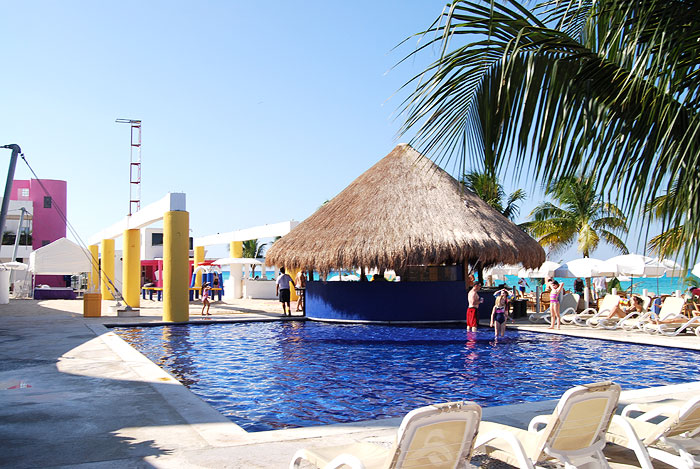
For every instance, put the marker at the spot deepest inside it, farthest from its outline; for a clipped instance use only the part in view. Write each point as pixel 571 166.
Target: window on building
pixel 47 201
pixel 156 239
pixel 44 242
pixel 24 193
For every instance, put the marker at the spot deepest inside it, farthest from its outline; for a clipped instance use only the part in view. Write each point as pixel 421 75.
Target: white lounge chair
pixel 629 319
pixel 608 304
pixel 675 439
pixel 671 319
pixel 574 434
pixel 568 308
pixel 440 436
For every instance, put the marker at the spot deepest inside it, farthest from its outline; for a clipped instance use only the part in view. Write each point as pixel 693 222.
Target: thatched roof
pixel 404 210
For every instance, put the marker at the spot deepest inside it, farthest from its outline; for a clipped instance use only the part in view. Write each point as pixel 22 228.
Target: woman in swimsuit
pixel 554 306
pixel 499 315
pixel 206 288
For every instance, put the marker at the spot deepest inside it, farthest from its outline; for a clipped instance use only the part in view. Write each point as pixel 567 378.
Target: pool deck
pixel 74 394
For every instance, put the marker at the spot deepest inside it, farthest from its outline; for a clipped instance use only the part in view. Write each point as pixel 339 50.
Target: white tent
pixel 62 257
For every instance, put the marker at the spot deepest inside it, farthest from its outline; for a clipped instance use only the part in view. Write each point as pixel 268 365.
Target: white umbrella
pixel 13 265
pixel 545 270
pixel 696 270
pixel 632 265
pixel 502 269
pixel 655 268
pixel 238 260
pixel 629 264
pixel 586 267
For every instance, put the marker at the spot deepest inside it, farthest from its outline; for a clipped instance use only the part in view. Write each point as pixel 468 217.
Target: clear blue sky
pixel 258 111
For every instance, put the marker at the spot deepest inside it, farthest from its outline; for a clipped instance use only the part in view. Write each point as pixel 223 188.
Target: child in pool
pixel 499 314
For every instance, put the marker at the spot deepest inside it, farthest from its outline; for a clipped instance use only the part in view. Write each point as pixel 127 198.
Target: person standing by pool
pixel 206 288
pixel 474 301
pixel 300 287
pixel 283 292
pixel 499 314
pixel 554 305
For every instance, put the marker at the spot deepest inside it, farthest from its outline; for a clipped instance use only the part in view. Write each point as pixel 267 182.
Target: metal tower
pixel 134 165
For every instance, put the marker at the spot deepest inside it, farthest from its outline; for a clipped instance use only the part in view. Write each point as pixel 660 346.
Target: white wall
pixel 148 250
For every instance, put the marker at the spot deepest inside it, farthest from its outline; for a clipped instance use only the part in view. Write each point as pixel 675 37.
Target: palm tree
pixel 253 250
pixel 608 87
pixel 487 187
pixel 582 217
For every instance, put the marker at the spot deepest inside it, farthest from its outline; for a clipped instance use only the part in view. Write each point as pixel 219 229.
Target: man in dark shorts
pixel 472 312
pixel 283 291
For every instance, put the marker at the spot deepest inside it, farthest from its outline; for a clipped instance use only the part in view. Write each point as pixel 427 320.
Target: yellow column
pixel 176 263
pixel 236 249
pixel 292 291
pixel 198 257
pixel 94 285
pixel 107 268
pixel 131 268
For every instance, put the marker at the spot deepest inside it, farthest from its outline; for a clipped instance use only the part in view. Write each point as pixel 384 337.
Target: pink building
pixel 49 212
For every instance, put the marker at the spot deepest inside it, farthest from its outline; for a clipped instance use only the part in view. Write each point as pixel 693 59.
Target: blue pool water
pixel 266 376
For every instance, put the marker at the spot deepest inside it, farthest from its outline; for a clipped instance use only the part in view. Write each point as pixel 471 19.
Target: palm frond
pixel 608 87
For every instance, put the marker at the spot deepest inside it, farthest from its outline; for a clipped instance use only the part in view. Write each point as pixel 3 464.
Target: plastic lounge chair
pixel 629 319
pixel 574 434
pixel 671 320
pixel 568 308
pixel 675 439
pixel 440 436
pixel 609 303
pixel 636 323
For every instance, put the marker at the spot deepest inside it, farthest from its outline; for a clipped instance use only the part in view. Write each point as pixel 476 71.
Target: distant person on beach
pixel 578 286
pixel 300 288
pixel 499 314
pixel 637 305
pixel 378 278
pixel 470 280
pixel 472 311
pixel 283 291
pixel 600 286
pixel 522 283
pixel 554 306
pixel 206 289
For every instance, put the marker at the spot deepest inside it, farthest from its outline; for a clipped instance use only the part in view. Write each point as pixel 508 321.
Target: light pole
pixel 16 150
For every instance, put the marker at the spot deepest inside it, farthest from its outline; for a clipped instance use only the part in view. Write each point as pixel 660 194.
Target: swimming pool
pixel 266 376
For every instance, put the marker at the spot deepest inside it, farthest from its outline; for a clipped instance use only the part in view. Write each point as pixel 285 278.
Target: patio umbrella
pixel 545 270
pixel 632 265
pixel 629 264
pixel 501 270
pixel 586 267
pixel 14 265
pixel 656 268
pixel 696 270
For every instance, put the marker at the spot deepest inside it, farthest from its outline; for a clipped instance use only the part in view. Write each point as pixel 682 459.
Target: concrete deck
pixel 74 394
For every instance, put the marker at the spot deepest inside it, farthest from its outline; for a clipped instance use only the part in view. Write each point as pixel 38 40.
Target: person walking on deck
pixel 283 290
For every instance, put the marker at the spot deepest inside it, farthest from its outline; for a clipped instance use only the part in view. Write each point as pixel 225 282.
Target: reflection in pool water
pixel 267 376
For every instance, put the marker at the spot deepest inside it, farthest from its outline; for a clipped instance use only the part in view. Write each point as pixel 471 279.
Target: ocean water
pixel 662 286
